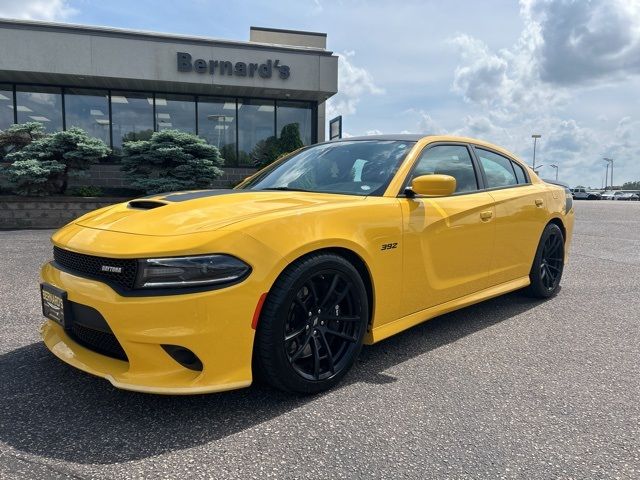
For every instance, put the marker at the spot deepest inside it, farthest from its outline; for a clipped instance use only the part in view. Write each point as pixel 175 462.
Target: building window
pixel 256 124
pixel 297 114
pixel 6 106
pixel 175 112
pixel 217 125
pixel 131 116
pixel 88 110
pixel 40 104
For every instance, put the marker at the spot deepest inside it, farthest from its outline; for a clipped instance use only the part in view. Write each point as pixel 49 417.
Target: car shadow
pixel 51 410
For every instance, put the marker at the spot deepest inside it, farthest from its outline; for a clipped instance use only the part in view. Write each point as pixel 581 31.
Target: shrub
pixel 171 160
pixel 44 166
pixel 86 191
pixel 18 136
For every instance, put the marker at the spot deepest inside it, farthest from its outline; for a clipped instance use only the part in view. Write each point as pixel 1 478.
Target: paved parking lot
pixel 508 388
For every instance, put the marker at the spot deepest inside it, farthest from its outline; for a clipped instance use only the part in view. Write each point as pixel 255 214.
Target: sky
pixel 497 70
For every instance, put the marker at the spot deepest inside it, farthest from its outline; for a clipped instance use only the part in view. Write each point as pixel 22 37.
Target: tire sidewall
pixel 537 286
pixel 276 311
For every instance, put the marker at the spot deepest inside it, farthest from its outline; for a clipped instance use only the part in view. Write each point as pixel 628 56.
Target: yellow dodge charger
pixel 287 275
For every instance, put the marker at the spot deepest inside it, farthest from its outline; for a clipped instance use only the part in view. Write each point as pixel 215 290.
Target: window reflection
pixel 88 110
pixel 40 104
pixel 176 112
pixel 256 130
pixel 6 106
pixel 217 125
pixel 298 114
pixel 132 116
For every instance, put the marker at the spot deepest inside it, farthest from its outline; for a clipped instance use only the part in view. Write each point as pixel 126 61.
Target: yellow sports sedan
pixel 287 275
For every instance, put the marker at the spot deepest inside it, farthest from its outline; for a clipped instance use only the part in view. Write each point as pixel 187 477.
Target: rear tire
pixel 312 325
pixel 548 264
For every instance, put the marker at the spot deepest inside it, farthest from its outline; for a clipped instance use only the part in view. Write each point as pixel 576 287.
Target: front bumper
pixel 215 325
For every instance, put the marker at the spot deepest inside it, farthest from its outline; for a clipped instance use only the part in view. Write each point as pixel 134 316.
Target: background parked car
pixel 628 197
pixel 607 196
pixel 583 194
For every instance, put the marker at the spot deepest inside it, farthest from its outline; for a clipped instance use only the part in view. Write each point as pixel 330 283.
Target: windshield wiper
pixel 286 189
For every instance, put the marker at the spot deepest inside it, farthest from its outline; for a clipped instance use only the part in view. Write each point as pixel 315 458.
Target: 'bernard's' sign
pixel 225 67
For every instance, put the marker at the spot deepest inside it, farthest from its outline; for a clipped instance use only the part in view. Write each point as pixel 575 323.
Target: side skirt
pixel 397 326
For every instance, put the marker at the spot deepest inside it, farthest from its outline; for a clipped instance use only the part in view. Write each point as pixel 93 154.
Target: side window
pixel 520 175
pixel 451 160
pixel 497 169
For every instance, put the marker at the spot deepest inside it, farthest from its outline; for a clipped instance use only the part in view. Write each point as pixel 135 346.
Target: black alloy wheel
pixel 313 323
pixel 548 263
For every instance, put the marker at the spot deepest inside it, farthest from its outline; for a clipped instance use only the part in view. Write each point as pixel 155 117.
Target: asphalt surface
pixel 509 388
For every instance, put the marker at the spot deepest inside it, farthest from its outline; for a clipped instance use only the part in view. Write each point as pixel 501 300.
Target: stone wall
pixel 47 212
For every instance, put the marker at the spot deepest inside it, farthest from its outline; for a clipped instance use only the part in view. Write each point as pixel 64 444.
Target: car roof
pixel 406 137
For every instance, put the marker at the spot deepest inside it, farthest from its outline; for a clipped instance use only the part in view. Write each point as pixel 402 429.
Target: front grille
pixel 91 266
pixel 98 341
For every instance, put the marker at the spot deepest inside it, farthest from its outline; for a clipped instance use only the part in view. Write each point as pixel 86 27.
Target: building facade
pixel 122 85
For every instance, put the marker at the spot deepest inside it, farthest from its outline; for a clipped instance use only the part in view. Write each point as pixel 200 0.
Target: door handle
pixel 539 202
pixel 486 215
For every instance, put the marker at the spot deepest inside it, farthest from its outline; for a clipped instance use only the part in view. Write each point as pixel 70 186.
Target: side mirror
pixel 431 185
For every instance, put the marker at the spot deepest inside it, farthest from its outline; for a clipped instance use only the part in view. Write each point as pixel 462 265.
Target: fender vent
pixel 145 204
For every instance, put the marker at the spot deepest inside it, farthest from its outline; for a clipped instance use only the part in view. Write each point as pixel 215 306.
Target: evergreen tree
pixel 171 160
pixel 44 165
pixel 18 136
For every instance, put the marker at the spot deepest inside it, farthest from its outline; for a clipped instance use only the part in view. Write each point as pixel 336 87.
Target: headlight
pixel 197 271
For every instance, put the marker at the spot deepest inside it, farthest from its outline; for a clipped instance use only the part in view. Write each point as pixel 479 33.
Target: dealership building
pixel 122 85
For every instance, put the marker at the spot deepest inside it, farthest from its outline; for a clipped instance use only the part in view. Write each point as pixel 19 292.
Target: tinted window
pixel 256 120
pixel 6 106
pixel 497 169
pixel 294 119
pixel 132 115
pixel 358 167
pixel 217 125
pixel 453 160
pixel 89 110
pixel 520 175
pixel 40 104
pixel 175 112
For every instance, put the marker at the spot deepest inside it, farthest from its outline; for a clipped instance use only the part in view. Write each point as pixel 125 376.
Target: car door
pixel 447 241
pixel 520 215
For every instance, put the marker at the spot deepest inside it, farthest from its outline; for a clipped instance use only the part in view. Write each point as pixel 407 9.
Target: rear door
pixel 520 215
pixel 447 241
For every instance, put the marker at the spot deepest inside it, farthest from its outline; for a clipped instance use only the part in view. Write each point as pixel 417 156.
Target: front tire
pixel 312 325
pixel 548 264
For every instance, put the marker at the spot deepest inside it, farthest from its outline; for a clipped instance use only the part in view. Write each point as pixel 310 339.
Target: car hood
pixel 182 213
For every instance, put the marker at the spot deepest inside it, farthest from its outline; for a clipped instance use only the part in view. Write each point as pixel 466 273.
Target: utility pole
pixel 535 137
pixel 609 161
pixel 606 177
pixel 553 165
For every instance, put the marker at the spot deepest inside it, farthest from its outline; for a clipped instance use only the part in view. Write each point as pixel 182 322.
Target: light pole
pixel 609 161
pixel 606 177
pixel 553 165
pixel 535 137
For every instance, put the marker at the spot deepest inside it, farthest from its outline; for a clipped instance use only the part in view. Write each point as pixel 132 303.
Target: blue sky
pixel 497 70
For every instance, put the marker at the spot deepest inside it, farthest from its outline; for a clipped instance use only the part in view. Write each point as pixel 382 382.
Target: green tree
pixel 631 185
pixel 18 136
pixel 270 149
pixel 43 166
pixel 171 160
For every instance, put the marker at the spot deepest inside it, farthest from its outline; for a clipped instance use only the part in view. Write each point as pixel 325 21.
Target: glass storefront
pixel 298 114
pixel 243 129
pixel 256 125
pixel 176 112
pixel 40 104
pixel 6 106
pixel 217 125
pixel 131 117
pixel 88 110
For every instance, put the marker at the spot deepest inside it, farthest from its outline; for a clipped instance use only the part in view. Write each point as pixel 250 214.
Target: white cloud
pixel 36 9
pixel 374 132
pixel 353 84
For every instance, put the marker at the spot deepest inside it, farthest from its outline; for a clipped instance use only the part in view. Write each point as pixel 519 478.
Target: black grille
pixel 91 266
pixel 101 342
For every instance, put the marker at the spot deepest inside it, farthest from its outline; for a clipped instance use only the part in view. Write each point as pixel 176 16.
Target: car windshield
pixel 356 167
